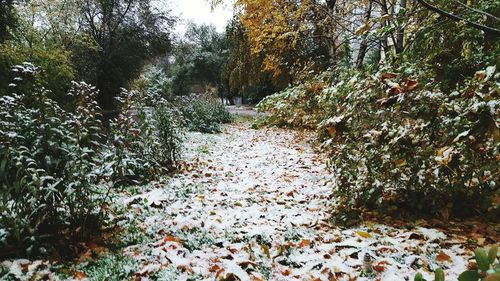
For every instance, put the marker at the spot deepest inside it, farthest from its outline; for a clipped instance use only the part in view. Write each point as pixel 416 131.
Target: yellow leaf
pixel 363 29
pixel 364 234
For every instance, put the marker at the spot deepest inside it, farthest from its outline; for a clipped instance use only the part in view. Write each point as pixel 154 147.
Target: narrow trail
pixel 253 205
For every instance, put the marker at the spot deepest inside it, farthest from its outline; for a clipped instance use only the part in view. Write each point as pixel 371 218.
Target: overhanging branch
pixel 486 29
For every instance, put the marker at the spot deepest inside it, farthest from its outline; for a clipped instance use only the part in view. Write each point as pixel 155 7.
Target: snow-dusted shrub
pixel 144 144
pixel 48 165
pixel 399 144
pixel 169 135
pixel 404 147
pixel 298 105
pixel 204 114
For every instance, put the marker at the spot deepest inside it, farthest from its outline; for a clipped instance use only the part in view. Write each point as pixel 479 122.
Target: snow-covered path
pixel 253 205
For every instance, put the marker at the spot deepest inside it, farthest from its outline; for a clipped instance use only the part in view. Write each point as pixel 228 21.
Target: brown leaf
pixel 304 243
pixel 380 266
pixel 331 277
pixel 442 256
pixel 388 75
pixel 171 238
pixel 332 131
pixel 472 265
pixel 79 275
pixel 410 84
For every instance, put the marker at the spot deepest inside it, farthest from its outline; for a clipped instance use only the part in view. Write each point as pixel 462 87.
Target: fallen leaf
pixel 442 256
pixel 363 234
pixel 79 275
pixel 171 238
pixel 389 75
pixel 286 272
pixel 304 243
pixel 380 266
pixel 214 268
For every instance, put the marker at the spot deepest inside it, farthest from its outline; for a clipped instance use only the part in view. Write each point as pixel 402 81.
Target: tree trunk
pixel 400 32
pixel 363 47
pixel 384 40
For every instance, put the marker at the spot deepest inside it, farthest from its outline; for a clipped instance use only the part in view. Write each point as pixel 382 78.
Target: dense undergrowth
pixel 59 167
pixel 48 165
pixel 204 114
pixel 398 143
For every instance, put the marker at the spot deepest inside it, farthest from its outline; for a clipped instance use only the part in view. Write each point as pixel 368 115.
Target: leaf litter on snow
pixel 262 214
pixel 253 205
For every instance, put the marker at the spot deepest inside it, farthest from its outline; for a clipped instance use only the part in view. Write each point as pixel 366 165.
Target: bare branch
pixel 443 13
pixel 477 11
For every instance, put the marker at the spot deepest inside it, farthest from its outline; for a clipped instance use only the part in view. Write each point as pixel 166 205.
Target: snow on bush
pixel 399 144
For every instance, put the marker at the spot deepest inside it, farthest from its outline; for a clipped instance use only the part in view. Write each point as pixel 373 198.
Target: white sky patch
pixel 200 12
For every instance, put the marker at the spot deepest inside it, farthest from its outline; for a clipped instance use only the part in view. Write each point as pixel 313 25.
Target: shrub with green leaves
pixel 399 144
pixel 299 105
pixel 48 165
pixel 111 267
pixel 488 268
pixel 204 114
pixel 144 143
pixel 170 136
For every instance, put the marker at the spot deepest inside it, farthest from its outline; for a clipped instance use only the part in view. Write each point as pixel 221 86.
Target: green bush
pixel 144 144
pixel 169 136
pixel 204 114
pixel 488 268
pixel 55 70
pixel 111 267
pixel 297 106
pixel 53 165
pixel 399 144
pixel 48 165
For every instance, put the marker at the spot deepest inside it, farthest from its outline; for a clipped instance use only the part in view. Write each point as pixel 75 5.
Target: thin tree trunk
pixel 384 39
pixel 363 47
pixel 400 32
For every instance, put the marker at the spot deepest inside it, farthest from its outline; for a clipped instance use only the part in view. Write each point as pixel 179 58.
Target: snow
pixel 267 196
pixel 255 205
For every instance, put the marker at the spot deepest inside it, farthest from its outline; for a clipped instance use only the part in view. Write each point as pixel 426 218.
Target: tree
pixel 128 34
pixel 32 40
pixel 286 34
pixel 241 75
pixel 7 18
pixel 454 17
pixel 198 59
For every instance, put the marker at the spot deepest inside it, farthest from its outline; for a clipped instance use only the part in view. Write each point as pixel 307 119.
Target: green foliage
pixel 487 270
pixel 48 164
pixel 419 277
pixel 397 148
pixel 53 165
pixel 296 106
pixel 196 239
pixel 7 18
pixel 56 71
pixel 143 143
pixel 111 268
pixel 466 48
pixel 438 275
pixel 169 137
pixel 241 75
pixel 198 61
pixel 204 114
pixel 400 147
pixel 129 34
